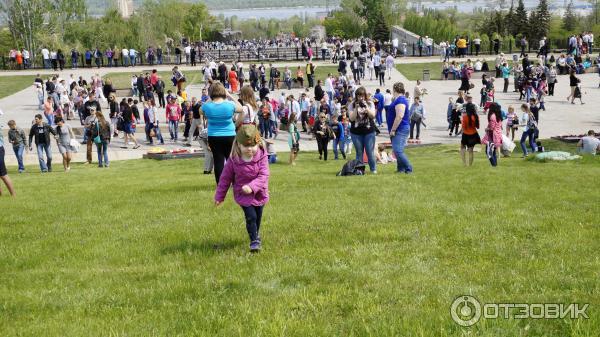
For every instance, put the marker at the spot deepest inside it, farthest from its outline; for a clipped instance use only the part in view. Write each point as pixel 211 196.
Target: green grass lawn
pixel 414 71
pixel 140 250
pixel 13 84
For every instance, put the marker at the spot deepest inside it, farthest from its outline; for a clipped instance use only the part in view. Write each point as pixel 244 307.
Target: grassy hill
pixel 139 250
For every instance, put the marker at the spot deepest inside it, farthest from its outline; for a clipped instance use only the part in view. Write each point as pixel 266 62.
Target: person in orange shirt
pixel 19 59
pixel 461 44
pixel 470 137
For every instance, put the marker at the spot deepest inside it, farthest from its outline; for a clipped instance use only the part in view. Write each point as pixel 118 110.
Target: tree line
pixel 504 25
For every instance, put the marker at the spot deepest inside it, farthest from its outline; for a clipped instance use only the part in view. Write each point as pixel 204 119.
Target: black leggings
pixel 221 149
pixel 253 215
pixel 454 126
pixel 322 145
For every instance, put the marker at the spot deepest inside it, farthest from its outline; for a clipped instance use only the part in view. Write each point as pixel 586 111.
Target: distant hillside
pixel 98 7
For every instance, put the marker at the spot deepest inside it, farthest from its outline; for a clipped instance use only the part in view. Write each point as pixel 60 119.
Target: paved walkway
pixel 560 118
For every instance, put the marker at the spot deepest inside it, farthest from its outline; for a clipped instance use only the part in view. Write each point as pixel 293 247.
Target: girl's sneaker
pixel 255 246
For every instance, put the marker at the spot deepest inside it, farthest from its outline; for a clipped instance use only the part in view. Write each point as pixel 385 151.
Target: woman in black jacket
pixel 324 134
pixel 575 89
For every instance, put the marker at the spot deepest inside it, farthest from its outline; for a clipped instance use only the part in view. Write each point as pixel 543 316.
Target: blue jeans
pixel 398 144
pixel 132 60
pixel 492 155
pixel 102 153
pixel 46 63
pixel 531 134
pixel 379 116
pixel 19 154
pixel 50 119
pixel 44 165
pixel 151 126
pixel 173 128
pixel 339 143
pixel 362 143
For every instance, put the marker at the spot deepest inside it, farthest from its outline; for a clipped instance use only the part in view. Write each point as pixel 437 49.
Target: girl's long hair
pixel 495 110
pixel 247 97
pixel 293 118
pixel 101 119
pixel 472 111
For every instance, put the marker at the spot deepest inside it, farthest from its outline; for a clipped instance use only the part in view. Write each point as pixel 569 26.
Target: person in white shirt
pixel 329 89
pixel 429 45
pixel 589 144
pixel 293 106
pixel 46 57
pixel 132 57
pixel 370 67
pixel 71 80
pixel 443 47
pixel 478 65
pixel 188 51
pixel 389 64
pixel 25 54
pixel 395 46
pixel 125 59
pixel 477 43
pixel 323 50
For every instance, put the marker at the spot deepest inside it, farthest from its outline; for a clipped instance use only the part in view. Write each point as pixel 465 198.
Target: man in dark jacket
pixel 41 131
pixel 140 86
pixel 319 94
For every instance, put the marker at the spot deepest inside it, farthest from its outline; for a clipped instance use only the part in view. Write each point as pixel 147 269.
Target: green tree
pixel 595 10
pixel 344 23
pixel 371 11
pixel 509 20
pixel 381 31
pixel 539 20
pixel 25 20
pixel 569 18
pixel 195 21
pixel 521 21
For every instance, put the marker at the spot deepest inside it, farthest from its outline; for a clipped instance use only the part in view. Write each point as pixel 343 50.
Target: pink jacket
pixel 254 173
pixel 495 128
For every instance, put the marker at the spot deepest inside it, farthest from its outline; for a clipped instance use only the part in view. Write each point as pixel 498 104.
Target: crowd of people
pixel 240 112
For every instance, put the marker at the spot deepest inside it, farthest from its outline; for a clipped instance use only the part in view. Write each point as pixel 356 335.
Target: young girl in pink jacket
pixel 248 170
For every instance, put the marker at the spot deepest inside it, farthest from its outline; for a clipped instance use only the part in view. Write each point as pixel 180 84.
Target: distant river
pixel 313 12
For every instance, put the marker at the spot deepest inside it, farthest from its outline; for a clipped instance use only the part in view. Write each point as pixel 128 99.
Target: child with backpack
pixel 248 171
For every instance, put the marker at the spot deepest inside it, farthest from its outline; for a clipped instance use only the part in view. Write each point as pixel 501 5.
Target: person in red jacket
pixel 173 115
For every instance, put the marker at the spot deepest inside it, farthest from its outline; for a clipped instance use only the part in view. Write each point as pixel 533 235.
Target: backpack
pixel 352 168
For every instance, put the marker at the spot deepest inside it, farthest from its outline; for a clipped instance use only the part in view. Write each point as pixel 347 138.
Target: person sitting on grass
pixel 248 171
pixel 589 144
pixel 383 157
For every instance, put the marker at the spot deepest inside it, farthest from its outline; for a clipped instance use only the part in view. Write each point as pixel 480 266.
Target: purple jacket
pixel 254 173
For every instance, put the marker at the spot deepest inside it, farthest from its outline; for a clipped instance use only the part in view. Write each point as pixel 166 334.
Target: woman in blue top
pixel 399 127
pixel 219 113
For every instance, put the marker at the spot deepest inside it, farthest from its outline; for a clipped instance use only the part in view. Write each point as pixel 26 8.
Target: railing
pixel 226 55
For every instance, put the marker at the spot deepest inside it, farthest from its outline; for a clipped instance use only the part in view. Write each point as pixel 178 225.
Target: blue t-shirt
pixel 220 118
pixel 391 114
